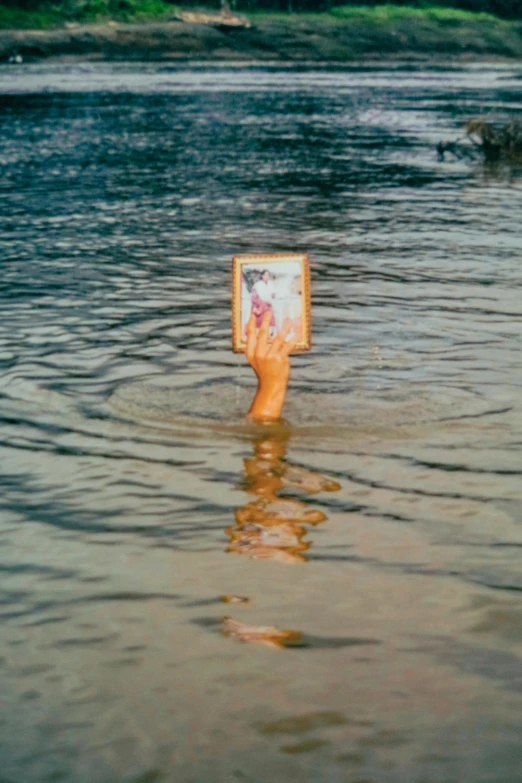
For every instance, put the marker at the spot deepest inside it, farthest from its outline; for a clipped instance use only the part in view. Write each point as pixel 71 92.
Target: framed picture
pixel 278 283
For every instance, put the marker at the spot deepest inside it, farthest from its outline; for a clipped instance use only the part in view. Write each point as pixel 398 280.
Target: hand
pixel 271 364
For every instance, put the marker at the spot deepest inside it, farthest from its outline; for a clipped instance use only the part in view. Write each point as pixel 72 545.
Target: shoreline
pixel 294 39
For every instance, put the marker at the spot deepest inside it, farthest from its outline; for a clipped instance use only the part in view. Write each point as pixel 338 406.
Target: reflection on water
pixel 261 634
pixel 137 506
pixel 273 528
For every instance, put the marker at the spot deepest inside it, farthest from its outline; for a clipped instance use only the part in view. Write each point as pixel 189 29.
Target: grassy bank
pixel 146 11
pixel 48 17
pixel 386 14
pixel 149 29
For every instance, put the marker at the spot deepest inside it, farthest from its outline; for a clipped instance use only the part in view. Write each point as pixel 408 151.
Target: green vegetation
pixel 339 34
pixel 45 14
pixel 396 13
pixel 51 14
pixel 447 9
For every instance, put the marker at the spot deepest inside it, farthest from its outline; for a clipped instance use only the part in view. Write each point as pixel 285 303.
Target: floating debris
pixel 493 142
pixel 497 141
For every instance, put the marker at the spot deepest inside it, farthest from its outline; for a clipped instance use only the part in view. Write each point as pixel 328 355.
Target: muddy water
pixel 370 547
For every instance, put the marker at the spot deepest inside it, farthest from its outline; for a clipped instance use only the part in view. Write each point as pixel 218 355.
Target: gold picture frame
pixel 275 282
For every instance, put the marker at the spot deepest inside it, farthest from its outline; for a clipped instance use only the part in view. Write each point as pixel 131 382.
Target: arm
pixel 271 364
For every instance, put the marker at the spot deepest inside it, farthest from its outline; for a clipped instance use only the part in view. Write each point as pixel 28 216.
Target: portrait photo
pixel 278 284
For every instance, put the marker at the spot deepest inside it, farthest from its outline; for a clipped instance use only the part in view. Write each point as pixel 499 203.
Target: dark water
pixel 382 525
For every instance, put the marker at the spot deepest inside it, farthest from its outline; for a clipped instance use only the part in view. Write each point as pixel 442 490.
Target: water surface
pixel 381 524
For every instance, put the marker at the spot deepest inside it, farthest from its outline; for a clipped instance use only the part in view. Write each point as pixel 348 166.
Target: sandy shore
pixel 317 39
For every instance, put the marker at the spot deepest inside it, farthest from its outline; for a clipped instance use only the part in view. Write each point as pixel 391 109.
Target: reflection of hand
pixel 271 527
pixel 271 364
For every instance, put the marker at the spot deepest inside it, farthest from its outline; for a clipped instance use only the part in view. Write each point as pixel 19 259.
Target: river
pixel 157 624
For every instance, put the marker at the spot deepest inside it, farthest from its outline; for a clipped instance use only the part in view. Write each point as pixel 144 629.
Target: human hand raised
pixel 270 362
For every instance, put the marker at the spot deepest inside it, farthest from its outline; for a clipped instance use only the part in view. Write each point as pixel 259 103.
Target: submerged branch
pixel 493 142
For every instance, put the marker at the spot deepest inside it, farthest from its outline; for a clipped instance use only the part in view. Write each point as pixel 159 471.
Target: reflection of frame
pixel 278 284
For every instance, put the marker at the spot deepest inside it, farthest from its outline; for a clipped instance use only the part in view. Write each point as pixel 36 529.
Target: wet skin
pixel 270 362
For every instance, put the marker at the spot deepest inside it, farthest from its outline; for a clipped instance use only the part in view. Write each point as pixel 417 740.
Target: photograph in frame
pixel 276 283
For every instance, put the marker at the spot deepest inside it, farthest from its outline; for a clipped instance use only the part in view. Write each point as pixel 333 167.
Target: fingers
pixel 257 342
pixel 251 337
pixel 289 346
pixel 262 337
pixel 251 323
pixel 280 338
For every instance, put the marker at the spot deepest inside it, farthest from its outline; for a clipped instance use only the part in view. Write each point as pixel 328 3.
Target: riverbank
pixel 335 37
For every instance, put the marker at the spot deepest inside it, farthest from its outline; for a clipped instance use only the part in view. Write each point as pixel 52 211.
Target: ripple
pixel 219 408
pixel 128 465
